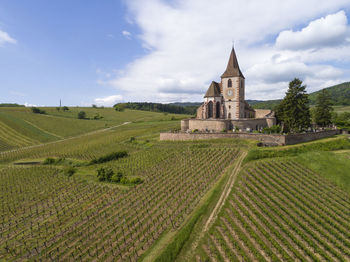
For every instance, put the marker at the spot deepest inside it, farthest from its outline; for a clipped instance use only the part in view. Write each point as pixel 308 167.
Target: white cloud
pixel 188 44
pixel 108 100
pixel 326 31
pixel 5 38
pixel 127 34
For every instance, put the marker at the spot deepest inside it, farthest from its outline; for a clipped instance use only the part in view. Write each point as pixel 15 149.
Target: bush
pixel 135 180
pixel 36 110
pixel 117 177
pixel 65 108
pixel 81 115
pixel 272 130
pixel 132 139
pixel 109 157
pixel 69 171
pixel 49 161
pixel 97 116
pixel 105 174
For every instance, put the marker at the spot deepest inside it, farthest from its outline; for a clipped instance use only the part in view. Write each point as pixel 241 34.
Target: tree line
pixel 156 107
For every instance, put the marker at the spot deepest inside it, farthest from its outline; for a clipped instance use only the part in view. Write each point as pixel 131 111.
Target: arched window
pixel 229 115
pixel 229 83
pixel 217 109
pixel 210 109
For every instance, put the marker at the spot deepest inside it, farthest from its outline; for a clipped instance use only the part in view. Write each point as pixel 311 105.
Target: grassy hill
pixel 55 125
pixel 340 96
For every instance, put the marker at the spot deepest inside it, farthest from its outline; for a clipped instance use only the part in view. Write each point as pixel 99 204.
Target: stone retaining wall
pixel 264 138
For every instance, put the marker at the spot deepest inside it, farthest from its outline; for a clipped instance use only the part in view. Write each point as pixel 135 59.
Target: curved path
pixel 65 139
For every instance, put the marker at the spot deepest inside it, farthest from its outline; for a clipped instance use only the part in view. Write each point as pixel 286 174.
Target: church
pixel 224 107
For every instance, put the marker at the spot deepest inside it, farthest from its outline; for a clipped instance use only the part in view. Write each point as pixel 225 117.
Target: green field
pixel 198 200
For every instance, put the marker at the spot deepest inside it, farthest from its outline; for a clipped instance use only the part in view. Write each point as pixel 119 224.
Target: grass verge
pixel 338 143
pixel 334 167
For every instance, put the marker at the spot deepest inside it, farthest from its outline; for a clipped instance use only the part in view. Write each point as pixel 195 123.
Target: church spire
pixel 232 69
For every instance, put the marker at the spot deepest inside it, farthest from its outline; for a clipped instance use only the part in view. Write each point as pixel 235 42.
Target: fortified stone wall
pixel 265 138
pixel 217 125
pixel 299 138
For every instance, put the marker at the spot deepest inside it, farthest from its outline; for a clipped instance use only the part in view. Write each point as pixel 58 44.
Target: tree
pixel 294 111
pixel 323 109
pixel 81 115
pixel 65 108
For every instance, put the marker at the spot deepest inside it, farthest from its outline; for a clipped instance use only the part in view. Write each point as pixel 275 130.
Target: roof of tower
pixel 213 90
pixel 232 69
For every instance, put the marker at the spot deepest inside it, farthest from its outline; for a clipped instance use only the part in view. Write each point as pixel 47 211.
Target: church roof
pixel 213 90
pixel 232 69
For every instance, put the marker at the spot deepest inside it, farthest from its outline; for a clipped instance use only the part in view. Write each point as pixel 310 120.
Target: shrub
pixel 81 115
pixel 36 110
pixel 94 106
pixel 65 108
pixel 105 174
pixel 135 180
pixel 109 157
pixel 58 108
pixel 69 171
pixel 272 130
pixel 49 161
pixel 97 116
pixel 117 177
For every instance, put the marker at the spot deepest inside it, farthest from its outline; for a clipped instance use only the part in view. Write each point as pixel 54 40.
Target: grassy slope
pixel 58 124
pixel 332 165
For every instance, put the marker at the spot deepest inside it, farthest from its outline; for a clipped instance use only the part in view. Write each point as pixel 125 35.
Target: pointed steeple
pixel 232 69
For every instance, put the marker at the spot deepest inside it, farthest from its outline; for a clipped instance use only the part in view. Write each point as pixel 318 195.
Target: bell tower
pixel 233 84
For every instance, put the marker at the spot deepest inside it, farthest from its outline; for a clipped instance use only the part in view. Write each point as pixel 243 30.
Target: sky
pixel 88 52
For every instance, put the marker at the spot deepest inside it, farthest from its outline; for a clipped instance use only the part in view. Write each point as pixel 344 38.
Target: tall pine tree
pixel 323 109
pixel 294 111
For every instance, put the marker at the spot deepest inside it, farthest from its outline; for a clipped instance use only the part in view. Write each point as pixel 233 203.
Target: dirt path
pixel 65 139
pixel 225 193
pixel 213 215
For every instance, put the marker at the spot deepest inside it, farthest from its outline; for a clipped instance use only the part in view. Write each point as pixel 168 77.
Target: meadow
pixel 285 203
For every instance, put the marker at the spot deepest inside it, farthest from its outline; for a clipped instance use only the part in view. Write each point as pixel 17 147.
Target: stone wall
pixel 264 138
pixel 217 125
pixel 299 138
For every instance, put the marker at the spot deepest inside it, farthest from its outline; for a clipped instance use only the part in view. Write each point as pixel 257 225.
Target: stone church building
pixel 225 108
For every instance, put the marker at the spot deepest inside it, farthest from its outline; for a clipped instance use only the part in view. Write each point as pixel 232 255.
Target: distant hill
pixel 340 95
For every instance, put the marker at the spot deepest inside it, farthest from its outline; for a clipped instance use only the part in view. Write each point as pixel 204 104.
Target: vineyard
pixel 279 210
pixel 45 215
pixel 274 209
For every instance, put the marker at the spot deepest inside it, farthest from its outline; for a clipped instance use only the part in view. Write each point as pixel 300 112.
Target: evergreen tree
pixel 323 110
pixel 294 111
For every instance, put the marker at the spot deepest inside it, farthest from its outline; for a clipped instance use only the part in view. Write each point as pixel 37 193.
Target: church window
pixel 229 83
pixel 229 107
pixel 217 109
pixel 229 115
pixel 241 83
pixel 210 109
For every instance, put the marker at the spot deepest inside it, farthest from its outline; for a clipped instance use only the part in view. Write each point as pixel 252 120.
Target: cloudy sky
pixel 102 52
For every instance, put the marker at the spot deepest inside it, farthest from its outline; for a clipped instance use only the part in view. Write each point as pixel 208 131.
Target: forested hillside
pixel 340 96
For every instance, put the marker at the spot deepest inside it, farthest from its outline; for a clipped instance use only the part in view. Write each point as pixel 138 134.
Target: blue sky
pixel 61 46
pixel 102 52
